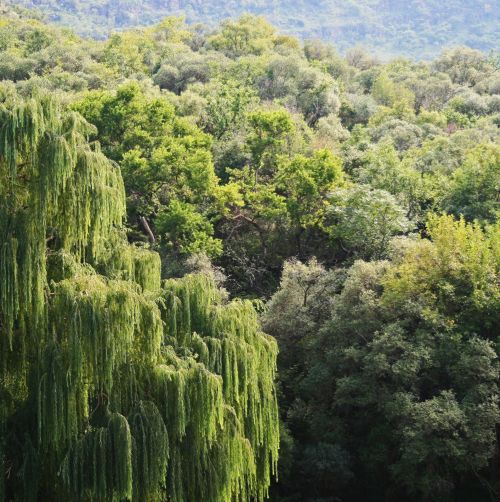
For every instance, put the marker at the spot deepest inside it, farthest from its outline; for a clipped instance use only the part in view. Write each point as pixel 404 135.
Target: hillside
pixel 415 28
pixel 235 267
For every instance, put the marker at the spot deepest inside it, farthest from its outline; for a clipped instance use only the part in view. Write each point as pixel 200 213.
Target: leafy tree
pixel 475 185
pixel 384 377
pixel 187 230
pixel 228 101
pixel 114 386
pixel 248 35
pixel 180 67
pixel 166 163
pixel 388 93
pixel 400 132
pixel 383 169
pixel 310 90
pixel 269 136
pixel 462 64
pixel 450 280
pixel 127 53
pixel 282 214
pixel 357 109
pixel 365 219
pixel 305 183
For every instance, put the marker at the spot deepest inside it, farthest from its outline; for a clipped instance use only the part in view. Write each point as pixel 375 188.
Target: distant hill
pixel 415 28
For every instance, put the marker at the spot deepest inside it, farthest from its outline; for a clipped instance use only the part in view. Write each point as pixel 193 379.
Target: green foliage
pixel 413 28
pixel 209 152
pixel 475 185
pixel 388 93
pixel 365 220
pixel 227 102
pixel 454 277
pixel 126 389
pixel 270 131
pixel 305 183
pixel 187 230
pixel 247 36
pixel 165 161
pixel 391 373
pixel 284 163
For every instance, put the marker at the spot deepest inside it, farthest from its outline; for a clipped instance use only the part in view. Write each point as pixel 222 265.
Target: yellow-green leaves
pixel 133 390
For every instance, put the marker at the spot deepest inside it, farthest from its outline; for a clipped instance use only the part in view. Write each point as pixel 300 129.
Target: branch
pixel 147 229
pixel 260 231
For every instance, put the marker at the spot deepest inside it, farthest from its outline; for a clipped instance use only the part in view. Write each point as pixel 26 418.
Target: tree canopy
pixel 220 244
pixel 412 28
pixel 115 386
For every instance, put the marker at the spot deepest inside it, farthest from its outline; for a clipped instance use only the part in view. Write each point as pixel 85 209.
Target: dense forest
pixel 414 28
pixel 235 266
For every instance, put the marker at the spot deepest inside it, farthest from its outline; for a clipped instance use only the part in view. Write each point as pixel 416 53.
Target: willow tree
pixel 113 385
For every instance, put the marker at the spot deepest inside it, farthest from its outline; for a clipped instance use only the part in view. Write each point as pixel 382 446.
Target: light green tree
pixel 126 388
